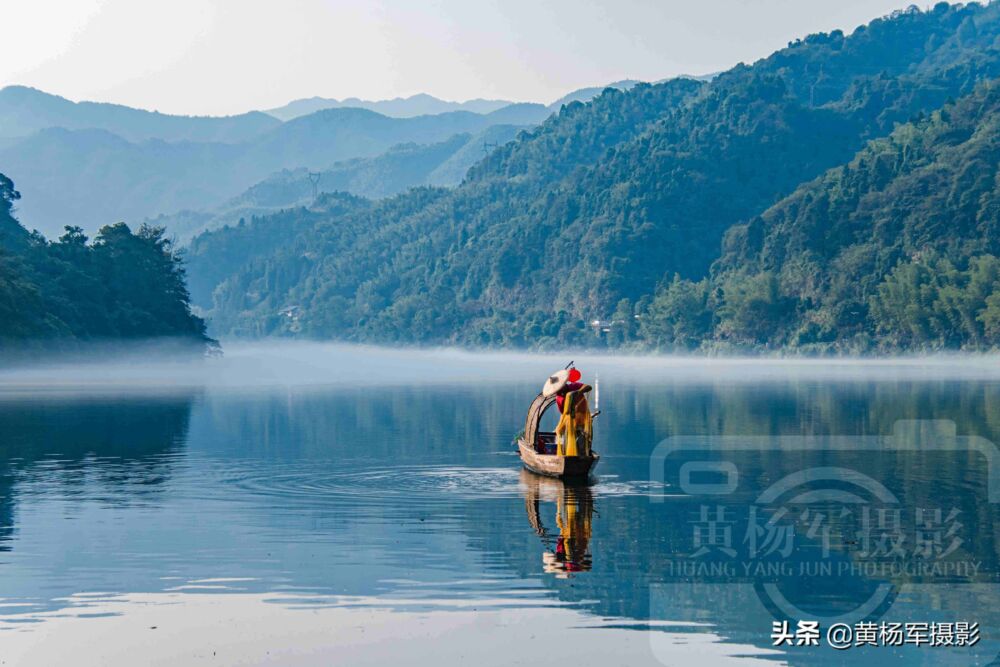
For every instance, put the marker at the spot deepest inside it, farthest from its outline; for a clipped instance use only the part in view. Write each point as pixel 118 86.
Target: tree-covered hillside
pixel 123 285
pixel 600 207
pixel 214 257
pixel 897 248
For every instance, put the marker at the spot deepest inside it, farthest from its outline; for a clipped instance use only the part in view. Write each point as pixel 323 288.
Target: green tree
pixel 124 285
pixel 754 310
pixel 679 317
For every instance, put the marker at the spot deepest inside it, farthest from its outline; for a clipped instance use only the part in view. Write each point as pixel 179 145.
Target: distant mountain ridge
pixel 423 104
pixel 399 168
pixel 89 177
pixel 90 163
pixel 24 111
pixel 398 107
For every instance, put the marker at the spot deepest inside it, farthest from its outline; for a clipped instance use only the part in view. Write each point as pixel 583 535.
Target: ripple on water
pixel 423 483
pixel 617 488
pixel 411 482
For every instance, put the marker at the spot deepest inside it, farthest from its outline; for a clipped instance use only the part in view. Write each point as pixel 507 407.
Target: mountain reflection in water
pixel 409 498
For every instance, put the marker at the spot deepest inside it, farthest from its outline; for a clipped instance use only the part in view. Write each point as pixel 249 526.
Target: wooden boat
pixel 540 451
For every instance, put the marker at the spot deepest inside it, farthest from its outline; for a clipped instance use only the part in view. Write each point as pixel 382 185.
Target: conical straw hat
pixel 555 382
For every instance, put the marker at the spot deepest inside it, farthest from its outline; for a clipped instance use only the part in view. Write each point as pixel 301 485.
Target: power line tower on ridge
pixel 314 177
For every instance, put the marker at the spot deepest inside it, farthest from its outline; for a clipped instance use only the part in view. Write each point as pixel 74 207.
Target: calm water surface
pixel 378 512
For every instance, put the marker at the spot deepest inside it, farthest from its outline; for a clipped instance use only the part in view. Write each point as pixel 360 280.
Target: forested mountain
pixel 213 257
pixel 588 215
pixel 90 176
pixel 24 111
pixel 399 107
pixel 897 248
pixel 121 286
pixel 395 171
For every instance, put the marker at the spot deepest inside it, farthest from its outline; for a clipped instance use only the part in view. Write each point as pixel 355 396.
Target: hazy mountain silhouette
pixel 24 111
pixel 398 107
pixel 401 167
pixel 91 177
pixel 91 163
pixel 423 104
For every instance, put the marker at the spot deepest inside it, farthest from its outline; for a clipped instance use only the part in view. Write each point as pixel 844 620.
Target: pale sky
pixel 230 56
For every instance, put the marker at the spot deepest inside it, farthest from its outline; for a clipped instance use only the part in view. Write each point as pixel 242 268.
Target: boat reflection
pixel 567 552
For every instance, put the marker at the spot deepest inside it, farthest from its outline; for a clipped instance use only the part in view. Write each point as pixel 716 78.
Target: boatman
pixel 561 383
pixel 573 433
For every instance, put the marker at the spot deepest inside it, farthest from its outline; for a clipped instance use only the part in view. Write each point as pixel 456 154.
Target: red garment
pixel 561 396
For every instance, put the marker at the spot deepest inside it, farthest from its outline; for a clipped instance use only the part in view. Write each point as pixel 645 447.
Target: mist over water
pixel 253 366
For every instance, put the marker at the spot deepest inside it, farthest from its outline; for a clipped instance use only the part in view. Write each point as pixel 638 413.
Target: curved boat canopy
pixel 535 412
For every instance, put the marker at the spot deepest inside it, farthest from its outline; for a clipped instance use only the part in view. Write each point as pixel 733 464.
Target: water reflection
pixel 567 552
pixel 123 452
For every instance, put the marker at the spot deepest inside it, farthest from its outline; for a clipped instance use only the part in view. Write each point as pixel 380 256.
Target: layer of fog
pixel 145 368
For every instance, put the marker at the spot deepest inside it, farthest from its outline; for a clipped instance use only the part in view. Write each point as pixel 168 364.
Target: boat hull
pixel 551 465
